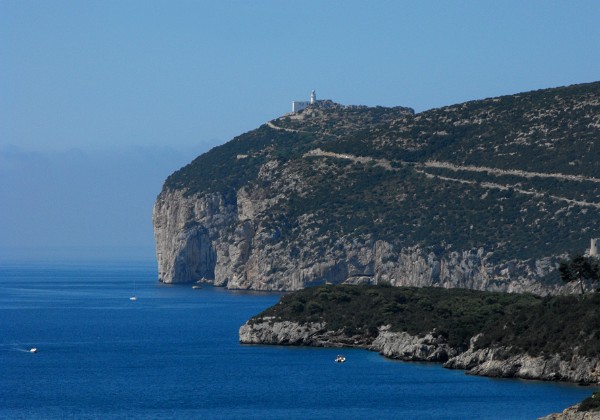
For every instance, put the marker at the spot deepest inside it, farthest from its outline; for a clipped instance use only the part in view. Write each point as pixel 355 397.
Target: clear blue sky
pixel 101 100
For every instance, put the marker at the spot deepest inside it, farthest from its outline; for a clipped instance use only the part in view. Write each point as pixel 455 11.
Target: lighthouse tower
pixel 595 247
pixel 313 97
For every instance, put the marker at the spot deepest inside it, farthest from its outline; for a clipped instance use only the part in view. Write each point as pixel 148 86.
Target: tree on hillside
pixel 580 268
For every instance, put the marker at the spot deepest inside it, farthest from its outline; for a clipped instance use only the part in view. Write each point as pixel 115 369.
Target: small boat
pixel 196 286
pixel 134 297
pixel 33 350
pixel 340 359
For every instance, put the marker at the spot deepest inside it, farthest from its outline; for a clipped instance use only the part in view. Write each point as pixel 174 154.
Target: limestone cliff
pixel 451 197
pixel 222 241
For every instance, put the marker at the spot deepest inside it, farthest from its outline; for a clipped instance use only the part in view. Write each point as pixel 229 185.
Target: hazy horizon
pixel 100 102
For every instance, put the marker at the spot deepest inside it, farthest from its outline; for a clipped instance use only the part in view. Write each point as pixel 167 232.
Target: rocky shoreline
pixel 492 362
pixel 572 413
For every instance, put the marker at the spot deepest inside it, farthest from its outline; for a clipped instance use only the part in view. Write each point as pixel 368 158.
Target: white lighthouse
pixel 298 106
pixel 595 247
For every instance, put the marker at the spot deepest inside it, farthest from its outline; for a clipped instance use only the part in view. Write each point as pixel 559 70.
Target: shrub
pixel 591 403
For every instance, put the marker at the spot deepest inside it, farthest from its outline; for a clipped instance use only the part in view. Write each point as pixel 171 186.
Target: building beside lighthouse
pixel 298 106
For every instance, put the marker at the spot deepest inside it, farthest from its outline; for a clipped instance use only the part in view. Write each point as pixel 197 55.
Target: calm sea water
pixel 174 353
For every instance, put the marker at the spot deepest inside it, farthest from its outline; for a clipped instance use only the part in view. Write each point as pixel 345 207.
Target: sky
pixel 101 100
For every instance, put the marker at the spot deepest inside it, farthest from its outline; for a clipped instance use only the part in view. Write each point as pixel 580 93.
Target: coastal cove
pixel 486 333
pixel 175 352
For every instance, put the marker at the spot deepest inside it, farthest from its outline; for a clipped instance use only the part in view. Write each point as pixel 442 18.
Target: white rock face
pixel 187 231
pixel 219 240
pixel 401 345
pixel 227 241
pixel 499 363
pixel 279 332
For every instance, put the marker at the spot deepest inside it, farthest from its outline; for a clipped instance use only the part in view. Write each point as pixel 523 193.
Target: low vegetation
pixel 565 325
pixel 591 403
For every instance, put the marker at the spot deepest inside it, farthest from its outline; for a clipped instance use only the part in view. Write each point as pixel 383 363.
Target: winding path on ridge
pixel 276 127
pixel 421 168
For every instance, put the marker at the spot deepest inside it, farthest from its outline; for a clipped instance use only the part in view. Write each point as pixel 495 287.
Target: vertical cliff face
pixel 225 241
pixel 188 232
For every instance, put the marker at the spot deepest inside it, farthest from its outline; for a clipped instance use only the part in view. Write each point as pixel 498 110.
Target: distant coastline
pixel 77 254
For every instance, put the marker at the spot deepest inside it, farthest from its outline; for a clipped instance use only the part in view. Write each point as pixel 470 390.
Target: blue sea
pixel 174 353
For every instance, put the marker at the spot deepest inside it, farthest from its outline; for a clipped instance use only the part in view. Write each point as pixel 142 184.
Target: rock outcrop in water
pixel 485 195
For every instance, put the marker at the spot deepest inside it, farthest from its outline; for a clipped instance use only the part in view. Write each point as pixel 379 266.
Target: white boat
pixel 340 359
pixel 33 350
pixel 134 297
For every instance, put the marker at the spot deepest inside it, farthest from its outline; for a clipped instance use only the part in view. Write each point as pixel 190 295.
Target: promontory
pixel 486 195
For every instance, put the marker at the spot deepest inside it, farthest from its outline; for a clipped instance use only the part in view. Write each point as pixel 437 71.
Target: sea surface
pixel 174 353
